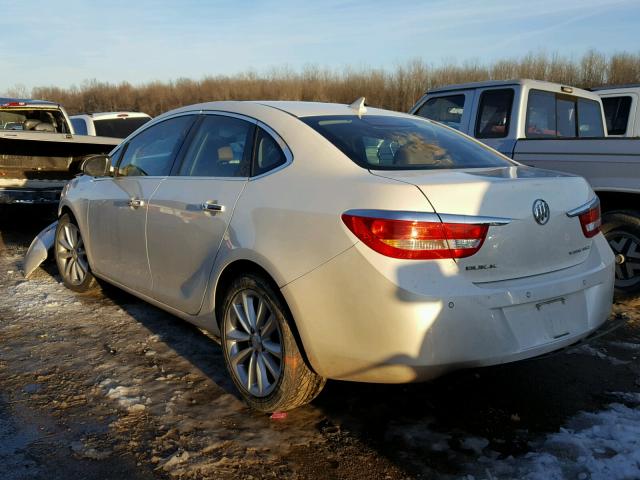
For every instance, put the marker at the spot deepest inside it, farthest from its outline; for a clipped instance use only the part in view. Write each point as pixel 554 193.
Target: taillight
pixel 590 221
pixel 418 240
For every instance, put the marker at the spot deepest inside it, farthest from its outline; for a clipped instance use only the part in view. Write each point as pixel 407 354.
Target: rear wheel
pixel 622 231
pixel 260 350
pixel 71 256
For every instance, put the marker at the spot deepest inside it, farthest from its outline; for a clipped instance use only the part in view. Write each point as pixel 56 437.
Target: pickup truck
pixel 39 151
pixel 108 124
pixel 556 127
pixel 621 109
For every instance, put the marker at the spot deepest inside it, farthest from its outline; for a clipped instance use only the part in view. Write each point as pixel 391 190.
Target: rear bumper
pixel 364 317
pixel 31 196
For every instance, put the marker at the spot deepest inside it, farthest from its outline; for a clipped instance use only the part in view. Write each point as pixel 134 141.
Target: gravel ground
pixel 106 386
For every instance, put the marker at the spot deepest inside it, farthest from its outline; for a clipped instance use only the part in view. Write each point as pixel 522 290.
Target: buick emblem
pixel 541 211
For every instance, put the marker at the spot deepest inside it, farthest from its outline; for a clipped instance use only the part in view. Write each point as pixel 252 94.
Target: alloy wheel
pixel 626 248
pixel 253 343
pixel 72 255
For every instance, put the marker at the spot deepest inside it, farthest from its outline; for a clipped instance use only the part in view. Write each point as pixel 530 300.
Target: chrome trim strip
pixel 583 208
pixel 429 217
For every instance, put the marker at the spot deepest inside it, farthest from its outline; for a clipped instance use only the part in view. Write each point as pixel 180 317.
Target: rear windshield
pixel 34 120
pixel 397 143
pixel 118 127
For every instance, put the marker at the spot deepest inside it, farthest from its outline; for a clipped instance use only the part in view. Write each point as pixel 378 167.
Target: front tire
pixel 622 231
pixel 260 350
pixel 71 256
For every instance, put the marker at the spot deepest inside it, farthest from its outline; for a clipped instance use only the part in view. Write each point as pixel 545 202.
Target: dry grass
pixel 396 89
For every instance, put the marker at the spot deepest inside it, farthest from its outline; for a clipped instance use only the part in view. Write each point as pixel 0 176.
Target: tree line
pixel 394 88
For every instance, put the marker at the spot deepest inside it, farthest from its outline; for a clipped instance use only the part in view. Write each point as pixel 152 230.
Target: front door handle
pixel 212 206
pixel 135 203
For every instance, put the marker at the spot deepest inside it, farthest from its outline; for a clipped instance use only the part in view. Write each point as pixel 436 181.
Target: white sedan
pixel 338 241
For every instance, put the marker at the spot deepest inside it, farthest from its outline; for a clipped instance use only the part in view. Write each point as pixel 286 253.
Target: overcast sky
pixel 62 43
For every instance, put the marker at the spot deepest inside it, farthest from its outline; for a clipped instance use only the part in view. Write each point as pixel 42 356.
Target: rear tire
pixel 622 231
pixel 71 257
pixel 260 350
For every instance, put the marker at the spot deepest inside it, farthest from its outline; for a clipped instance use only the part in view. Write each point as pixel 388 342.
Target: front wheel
pixel 622 231
pixel 71 256
pixel 260 350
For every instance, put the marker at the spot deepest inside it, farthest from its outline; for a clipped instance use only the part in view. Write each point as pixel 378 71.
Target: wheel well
pixel 66 209
pixel 610 201
pixel 240 267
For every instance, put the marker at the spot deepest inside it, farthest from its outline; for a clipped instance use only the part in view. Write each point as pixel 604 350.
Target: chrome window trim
pixel 429 217
pixel 583 208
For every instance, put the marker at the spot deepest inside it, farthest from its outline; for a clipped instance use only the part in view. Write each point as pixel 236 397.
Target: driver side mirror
pixel 97 166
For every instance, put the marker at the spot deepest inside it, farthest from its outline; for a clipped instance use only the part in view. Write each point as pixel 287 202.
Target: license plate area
pixel 545 321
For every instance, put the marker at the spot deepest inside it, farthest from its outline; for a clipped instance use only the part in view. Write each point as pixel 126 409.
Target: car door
pixel 118 205
pixel 189 213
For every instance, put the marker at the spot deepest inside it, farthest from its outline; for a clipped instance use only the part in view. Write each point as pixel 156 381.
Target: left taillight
pixel 418 240
pixel 590 221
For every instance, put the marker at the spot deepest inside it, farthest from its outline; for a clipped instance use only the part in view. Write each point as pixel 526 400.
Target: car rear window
pixel 381 142
pixel 118 127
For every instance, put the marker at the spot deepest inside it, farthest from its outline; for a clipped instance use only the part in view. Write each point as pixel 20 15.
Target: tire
pixel 260 350
pixel 71 257
pixel 622 231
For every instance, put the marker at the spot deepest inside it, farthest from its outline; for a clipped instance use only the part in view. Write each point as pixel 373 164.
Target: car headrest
pixel 30 123
pixel 225 154
pixel 44 127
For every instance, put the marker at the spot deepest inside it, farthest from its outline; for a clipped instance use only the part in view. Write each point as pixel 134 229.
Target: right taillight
pixel 417 240
pixel 589 215
pixel 590 221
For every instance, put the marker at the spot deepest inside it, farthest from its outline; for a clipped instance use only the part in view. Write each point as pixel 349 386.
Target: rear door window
pixel 494 113
pixel 616 112
pixel 447 110
pixel 220 148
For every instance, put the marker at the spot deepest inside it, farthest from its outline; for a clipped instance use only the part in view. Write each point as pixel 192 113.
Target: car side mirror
pixel 97 166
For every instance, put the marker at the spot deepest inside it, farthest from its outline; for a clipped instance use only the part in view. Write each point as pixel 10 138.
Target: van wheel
pixel 622 231
pixel 71 256
pixel 260 350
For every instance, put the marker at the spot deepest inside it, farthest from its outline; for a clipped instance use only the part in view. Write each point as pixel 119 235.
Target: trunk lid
pixel 523 247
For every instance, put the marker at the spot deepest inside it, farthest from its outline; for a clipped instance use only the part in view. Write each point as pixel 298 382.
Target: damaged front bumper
pixel 39 249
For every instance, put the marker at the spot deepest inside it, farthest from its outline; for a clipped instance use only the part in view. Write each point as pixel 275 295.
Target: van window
pixel 447 110
pixel 551 115
pixel 494 113
pixel 616 113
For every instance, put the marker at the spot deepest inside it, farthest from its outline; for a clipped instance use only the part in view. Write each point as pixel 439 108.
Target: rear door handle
pixel 135 203
pixel 212 206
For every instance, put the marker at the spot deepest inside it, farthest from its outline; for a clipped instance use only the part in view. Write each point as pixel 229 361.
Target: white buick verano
pixel 338 241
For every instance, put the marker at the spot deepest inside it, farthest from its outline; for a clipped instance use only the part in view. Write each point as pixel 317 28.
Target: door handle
pixel 135 203
pixel 212 206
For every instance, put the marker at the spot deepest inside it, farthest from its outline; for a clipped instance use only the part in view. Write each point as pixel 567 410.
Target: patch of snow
pixel 589 350
pixel 603 445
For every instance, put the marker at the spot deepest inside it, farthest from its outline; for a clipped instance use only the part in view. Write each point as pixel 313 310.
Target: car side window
pixel 616 112
pixel 589 119
pixel 152 152
pixel 268 154
pixel 494 113
pixel 219 148
pixel 447 110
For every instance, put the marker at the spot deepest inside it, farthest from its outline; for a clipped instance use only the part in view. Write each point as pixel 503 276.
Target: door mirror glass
pixel 97 166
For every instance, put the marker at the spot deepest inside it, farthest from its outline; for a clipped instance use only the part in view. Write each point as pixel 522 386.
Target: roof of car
pixel 295 108
pixel 27 101
pixel 540 84
pixel 615 87
pixel 110 115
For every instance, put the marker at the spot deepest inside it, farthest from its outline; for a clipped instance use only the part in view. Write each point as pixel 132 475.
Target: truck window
pixel 551 115
pixel 494 113
pixel 447 110
pixel 616 113
pixel 79 126
pixel 589 119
